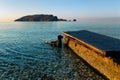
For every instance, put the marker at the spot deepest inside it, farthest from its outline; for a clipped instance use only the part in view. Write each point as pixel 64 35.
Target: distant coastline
pixel 40 17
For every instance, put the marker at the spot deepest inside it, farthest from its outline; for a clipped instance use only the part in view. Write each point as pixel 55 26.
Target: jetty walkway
pixel 100 51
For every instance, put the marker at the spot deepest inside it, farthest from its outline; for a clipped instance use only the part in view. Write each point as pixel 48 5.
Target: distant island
pixel 40 17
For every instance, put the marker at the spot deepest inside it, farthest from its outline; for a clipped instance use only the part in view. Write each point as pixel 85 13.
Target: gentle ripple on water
pixel 25 55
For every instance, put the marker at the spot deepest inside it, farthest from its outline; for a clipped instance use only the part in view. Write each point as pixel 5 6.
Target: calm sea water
pixel 25 55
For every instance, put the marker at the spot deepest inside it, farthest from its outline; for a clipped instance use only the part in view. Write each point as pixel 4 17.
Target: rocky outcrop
pixel 62 20
pixel 74 20
pixel 40 17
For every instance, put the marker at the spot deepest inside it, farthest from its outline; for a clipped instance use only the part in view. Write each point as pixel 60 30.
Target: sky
pixel 68 9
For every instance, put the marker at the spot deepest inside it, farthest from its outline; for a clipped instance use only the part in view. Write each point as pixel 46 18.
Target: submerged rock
pixel 45 77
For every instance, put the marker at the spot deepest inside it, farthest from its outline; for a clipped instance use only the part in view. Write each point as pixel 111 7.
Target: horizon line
pixel 80 19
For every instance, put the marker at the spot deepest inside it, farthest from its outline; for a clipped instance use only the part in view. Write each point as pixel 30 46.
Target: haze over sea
pixel 25 55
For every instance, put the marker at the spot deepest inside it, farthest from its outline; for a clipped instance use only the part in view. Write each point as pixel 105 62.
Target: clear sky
pixel 12 9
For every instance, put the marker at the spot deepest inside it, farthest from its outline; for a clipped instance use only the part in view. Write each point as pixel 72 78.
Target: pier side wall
pixel 103 64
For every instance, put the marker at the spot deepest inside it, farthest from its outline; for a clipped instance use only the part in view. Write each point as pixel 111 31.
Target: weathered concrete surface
pixel 92 55
pixel 100 43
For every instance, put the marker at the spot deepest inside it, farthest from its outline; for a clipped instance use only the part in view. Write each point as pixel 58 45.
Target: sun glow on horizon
pixel 7 19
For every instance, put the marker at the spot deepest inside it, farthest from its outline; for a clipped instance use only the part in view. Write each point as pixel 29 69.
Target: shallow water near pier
pixel 24 53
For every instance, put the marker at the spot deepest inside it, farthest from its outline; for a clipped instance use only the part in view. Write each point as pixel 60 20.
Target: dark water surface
pixel 24 55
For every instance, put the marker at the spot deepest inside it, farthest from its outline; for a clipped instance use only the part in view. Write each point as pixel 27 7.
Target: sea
pixel 24 54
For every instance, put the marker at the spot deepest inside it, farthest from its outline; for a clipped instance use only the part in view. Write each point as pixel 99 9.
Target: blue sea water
pixel 25 55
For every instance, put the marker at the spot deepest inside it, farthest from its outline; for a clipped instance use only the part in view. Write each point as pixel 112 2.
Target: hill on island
pixel 41 17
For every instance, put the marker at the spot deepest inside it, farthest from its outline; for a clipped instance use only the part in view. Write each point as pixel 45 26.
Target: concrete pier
pixel 100 51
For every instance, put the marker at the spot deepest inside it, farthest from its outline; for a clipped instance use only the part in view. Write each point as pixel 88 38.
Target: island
pixel 40 17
